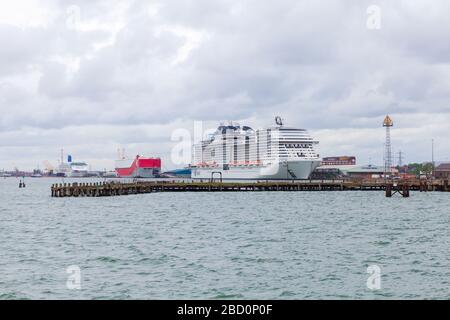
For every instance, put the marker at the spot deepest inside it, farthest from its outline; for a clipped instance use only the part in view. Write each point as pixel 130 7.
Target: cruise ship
pixel 237 152
pixel 79 170
pixel 72 169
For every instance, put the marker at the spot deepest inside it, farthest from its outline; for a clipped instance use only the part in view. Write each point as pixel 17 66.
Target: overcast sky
pixel 93 76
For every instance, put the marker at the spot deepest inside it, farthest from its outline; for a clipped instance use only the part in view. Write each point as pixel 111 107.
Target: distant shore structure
pixel 339 161
pixel 388 124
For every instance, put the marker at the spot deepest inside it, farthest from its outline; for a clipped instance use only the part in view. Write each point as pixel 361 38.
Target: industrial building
pixel 339 161
pixel 360 172
pixel 442 171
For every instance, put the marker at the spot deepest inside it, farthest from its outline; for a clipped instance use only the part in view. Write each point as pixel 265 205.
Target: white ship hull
pixel 289 170
pixel 78 174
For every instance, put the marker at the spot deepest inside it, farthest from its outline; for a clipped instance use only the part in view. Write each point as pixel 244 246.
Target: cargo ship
pixel 139 167
pixel 238 152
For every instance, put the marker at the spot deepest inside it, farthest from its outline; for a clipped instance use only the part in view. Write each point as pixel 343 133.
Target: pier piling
pixel 108 189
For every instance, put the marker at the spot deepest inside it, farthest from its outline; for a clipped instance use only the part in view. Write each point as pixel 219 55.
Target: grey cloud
pixel 315 63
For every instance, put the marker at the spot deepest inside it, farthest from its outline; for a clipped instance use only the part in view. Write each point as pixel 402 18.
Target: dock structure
pixel 107 189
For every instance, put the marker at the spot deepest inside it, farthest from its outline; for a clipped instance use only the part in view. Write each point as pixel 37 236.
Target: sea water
pixel 236 245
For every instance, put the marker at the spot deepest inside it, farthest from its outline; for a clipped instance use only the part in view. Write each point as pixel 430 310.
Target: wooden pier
pixel 114 188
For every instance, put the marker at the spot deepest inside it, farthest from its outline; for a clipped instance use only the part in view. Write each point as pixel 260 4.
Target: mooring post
pixel 405 189
pixel 388 190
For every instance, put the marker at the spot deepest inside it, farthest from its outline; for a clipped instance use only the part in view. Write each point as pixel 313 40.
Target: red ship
pixel 139 167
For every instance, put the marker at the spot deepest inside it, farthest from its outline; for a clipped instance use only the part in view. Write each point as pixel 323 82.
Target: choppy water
pixel 268 245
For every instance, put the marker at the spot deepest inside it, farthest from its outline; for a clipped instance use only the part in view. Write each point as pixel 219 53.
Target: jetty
pixel 115 188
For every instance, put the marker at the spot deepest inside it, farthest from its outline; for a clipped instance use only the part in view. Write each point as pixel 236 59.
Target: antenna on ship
pixel 279 121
